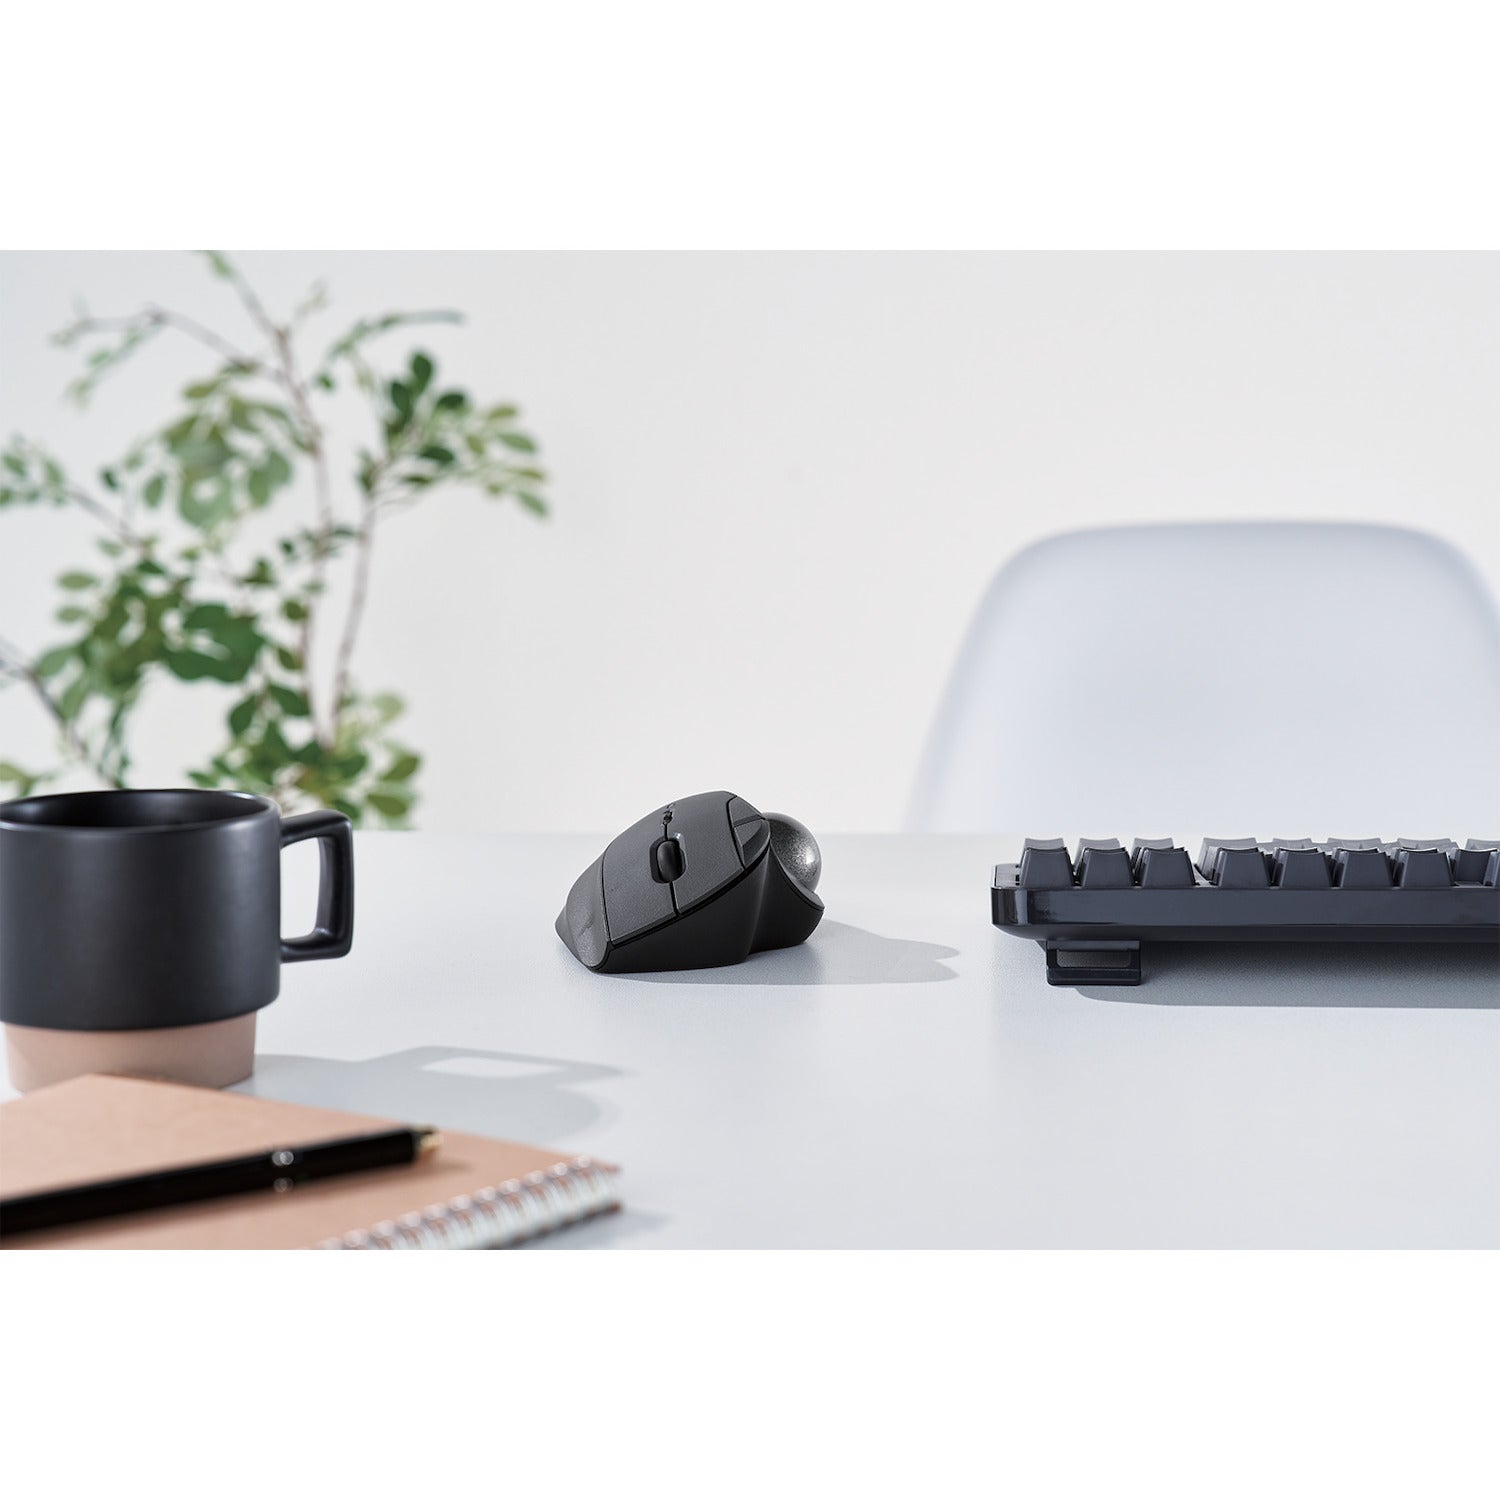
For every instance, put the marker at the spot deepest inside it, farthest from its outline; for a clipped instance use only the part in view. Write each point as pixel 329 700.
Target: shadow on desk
pixel 538 1100
pixel 1406 976
pixel 835 954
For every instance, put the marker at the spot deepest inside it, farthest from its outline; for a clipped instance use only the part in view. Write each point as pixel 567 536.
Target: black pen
pixel 275 1171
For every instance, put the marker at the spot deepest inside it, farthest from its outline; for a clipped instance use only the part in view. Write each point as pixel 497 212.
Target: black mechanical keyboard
pixel 1092 910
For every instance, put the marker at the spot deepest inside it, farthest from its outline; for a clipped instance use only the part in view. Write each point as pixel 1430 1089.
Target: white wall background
pixel 781 482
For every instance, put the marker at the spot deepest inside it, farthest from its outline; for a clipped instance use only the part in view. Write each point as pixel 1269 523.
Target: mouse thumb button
pixel 751 838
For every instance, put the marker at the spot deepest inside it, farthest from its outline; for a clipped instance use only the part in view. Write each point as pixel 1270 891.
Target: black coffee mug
pixel 136 911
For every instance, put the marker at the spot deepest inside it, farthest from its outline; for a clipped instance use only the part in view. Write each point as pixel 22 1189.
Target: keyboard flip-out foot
pixel 1093 963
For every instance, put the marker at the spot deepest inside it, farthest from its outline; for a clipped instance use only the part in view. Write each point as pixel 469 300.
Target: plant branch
pixel 288 376
pixel 16 665
pixel 364 546
pixel 253 305
pixel 154 316
pixel 101 512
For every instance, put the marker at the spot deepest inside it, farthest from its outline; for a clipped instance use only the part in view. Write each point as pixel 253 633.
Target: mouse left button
pixel 581 923
pixel 634 899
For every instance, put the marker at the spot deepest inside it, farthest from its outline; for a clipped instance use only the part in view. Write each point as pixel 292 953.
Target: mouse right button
pixel 633 899
pixel 710 852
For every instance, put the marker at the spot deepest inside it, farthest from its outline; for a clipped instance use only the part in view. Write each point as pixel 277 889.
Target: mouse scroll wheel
pixel 667 860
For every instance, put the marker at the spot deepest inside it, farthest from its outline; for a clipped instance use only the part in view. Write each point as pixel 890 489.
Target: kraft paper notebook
pixel 470 1193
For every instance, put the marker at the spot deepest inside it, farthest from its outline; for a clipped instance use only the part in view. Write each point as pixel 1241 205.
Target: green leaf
pixel 274 750
pixel 191 666
pixel 534 503
pixel 289 659
pixel 72 699
pixel 279 468
pixel 259 485
pixel 389 805
pixel 387 706
pixel 15 464
pixel 290 701
pixel 401 399
pixel 203 458
pixel 294 610
pixel 421 373
pixel 350 764
pixel 220 264
pixel 71 613
pixel 403 768
pixel 209 617
pixel 324 382
pixel 23 781
pixel 155 488
pixel 451 401
pixel 76 581
pixel 50 663
pixel 108 479
pixel 242 715
pixel 205 511
pixel 202 388
pixel 517 440
pixel 436 453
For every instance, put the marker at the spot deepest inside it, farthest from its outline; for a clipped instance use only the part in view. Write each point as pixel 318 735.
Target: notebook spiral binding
pixel 498 1216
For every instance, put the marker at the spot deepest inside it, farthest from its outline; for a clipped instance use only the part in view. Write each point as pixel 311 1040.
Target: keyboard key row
pixel 1245 864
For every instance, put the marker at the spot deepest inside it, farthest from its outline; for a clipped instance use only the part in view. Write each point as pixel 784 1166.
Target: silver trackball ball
pixel 796 849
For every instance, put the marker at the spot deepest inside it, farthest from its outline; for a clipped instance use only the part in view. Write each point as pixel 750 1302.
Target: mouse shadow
pixel 835 954
pixel 1311 976
pixel 513 1095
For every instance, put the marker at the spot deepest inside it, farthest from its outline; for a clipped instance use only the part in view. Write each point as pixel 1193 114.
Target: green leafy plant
pixel 219 534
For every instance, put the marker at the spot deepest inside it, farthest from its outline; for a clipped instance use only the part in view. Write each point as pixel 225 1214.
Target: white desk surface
pixel 907 1078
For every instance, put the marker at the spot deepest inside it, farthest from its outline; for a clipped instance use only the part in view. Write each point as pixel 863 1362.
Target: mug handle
pixel 333 932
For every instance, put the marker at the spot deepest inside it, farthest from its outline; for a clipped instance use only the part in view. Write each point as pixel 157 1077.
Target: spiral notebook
pixel 470 1193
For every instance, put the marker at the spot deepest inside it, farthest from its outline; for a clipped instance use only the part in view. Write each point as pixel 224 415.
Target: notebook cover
pixel 103 1126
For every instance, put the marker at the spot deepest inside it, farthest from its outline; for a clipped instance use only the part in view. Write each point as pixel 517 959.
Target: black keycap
pixel 1470 862
pixel 1161 864
pixel 1235 864
pixel 1045 865
pixel 1360 865
pixel 1298 864
pixel 1422 864
pixel 1138 849
pixel 1103 865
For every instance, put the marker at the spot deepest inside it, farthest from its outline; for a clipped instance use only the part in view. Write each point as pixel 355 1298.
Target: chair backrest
pixel 1257 679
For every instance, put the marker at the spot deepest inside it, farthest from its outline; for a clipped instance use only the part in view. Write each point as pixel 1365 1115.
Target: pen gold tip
pixel 429 1138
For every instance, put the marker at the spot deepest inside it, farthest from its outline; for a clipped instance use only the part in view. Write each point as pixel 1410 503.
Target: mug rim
pixel 252 805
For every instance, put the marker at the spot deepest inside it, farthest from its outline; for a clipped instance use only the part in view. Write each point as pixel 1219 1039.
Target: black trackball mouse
pixel 699 883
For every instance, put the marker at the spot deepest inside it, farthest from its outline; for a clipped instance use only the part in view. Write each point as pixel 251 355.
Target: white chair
pixel 1257 680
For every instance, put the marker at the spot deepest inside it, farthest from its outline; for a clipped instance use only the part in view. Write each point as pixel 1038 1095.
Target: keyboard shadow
pixel 1406 976
pixel 836 953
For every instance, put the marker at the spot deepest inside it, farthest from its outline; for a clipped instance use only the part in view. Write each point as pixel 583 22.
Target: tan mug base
pixel 213 1055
